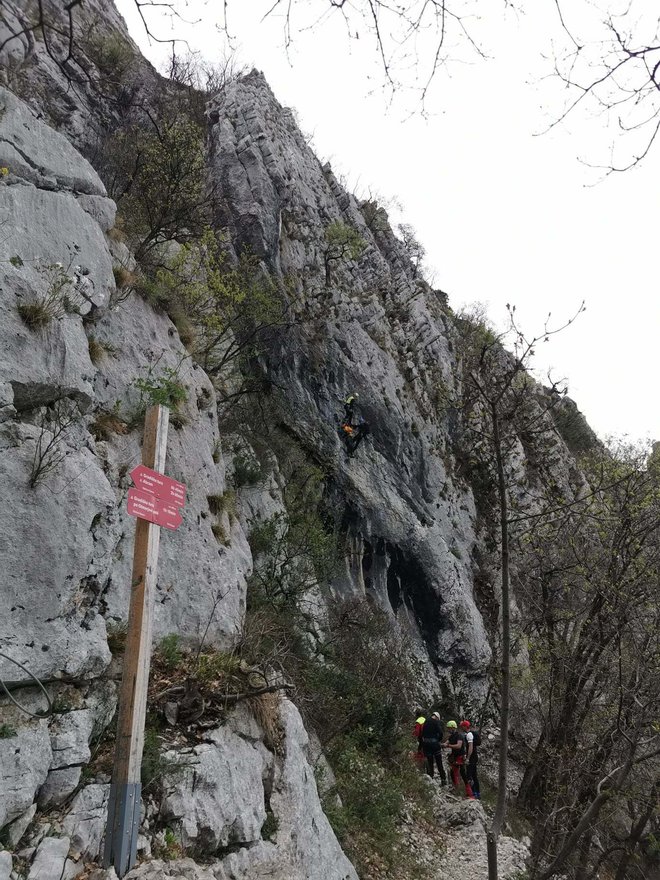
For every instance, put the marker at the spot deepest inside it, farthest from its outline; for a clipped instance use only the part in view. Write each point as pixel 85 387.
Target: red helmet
pixel 464 724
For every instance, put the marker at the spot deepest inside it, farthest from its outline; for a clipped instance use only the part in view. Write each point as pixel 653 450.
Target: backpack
pixel 476 742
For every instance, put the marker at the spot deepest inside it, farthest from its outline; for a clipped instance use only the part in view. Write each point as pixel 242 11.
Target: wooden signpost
pixel 156 502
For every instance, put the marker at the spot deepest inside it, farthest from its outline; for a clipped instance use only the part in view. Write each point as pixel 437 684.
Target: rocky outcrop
pixel 49 861
pixel 215 806
pixel 24 762
pixel 5 865
pixel 216 796
pixel 85 821
pixel 82 86
pixel 414 536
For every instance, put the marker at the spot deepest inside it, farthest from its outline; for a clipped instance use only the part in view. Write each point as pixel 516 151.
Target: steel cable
pixel 44 714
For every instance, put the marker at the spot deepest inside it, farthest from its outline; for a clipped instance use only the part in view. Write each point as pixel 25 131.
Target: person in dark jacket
pixel 456 745
pixel 432 746
pixel 349 408
pixel 471 758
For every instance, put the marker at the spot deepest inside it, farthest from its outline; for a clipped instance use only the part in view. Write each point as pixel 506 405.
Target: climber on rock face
pixel 352 432
pixel 349 408
pixel 356 436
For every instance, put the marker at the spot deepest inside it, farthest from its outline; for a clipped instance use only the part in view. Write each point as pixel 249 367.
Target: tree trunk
pixel 500 808
pixel 605 790
pixel 632 844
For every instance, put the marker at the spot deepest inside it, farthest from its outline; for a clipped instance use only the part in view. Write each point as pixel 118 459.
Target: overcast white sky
pixel 505 215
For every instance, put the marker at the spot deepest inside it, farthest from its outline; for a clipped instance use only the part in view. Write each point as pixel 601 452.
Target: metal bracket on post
pixel 123 827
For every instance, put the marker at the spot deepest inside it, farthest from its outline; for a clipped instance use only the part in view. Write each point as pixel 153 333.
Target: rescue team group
pixel 462 746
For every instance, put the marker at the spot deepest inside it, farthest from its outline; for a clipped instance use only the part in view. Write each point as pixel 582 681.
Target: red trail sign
pixel 156 498
pixel 150 507
pixel 167 489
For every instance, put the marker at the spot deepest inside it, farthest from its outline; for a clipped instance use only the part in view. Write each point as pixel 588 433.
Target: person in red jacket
pixel 417 733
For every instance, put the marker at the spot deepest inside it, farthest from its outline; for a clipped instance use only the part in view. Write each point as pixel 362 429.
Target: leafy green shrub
pixel 342 243
pixel 170 848
pixel 372 795
pixel 247 470
pixel 110 53
pixel 7 731
pixel 360 775
pixel 165 389
pixel 153 765
pixel 156 173
pixel 222 310
pixel 294 549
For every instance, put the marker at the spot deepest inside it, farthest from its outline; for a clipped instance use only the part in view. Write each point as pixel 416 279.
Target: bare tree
pixel 55 424
pixel 51 19
pixel 415 250
pixel 587 589
pixel 613 72
pixel 613 68
pixel 498 406
pixel 443 29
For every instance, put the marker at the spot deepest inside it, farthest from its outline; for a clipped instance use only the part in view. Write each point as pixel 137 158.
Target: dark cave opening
pixel 408 583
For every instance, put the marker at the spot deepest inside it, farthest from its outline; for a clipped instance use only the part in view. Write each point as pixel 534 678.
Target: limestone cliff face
pixel 66 543
pixel 408 521
pixel 82 87
pixel 413 536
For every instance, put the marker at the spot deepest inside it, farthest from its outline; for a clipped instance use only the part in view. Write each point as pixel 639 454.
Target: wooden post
pixel 125 791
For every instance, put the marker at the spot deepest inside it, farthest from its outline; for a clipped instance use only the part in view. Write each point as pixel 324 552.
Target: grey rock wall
pixel 66 543
pixel 82 92
pixel 57 597
pixel 376 330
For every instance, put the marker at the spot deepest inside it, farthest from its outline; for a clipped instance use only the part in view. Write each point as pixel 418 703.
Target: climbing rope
pixel 48 711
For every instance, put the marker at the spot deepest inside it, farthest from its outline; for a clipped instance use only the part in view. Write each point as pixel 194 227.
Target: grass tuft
pixel 35 315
